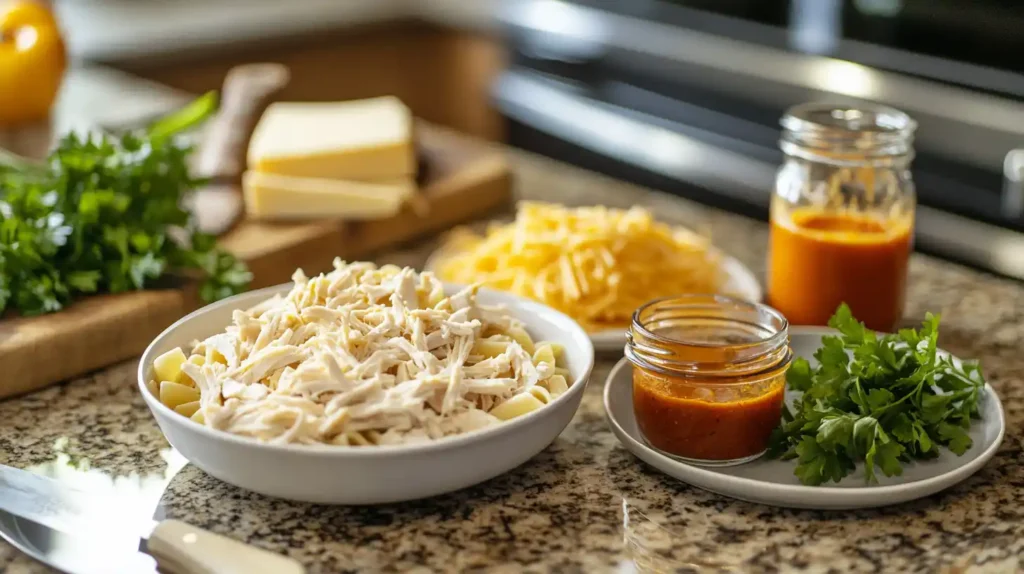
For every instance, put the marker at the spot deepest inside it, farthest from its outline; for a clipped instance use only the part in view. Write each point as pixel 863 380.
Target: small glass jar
pixel 842 215
pixel 709 376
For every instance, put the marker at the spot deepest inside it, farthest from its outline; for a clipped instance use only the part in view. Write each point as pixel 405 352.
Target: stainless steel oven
pixel 685 96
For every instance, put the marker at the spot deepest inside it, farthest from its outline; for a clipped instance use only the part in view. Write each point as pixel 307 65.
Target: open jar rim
pixel 737 339
pixel 839 134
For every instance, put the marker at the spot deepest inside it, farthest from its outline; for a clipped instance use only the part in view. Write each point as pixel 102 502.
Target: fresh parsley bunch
pixel 105 214
pixel 878 399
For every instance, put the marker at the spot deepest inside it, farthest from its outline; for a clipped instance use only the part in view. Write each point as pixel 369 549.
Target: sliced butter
pixel 269 197
pixel 368 139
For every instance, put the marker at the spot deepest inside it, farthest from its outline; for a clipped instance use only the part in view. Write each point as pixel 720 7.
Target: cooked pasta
pixel 595 264
pixel 362 356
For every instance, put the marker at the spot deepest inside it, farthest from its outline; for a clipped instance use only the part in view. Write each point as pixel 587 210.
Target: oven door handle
pixel 632 137
pixel 557 31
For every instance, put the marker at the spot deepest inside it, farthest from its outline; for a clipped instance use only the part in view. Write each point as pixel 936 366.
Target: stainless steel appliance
pixel 686 96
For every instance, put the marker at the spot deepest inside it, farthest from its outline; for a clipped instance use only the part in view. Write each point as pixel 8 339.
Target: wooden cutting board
pixel 461 179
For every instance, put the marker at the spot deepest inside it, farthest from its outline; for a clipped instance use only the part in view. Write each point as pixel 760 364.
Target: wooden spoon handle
pixel 248 90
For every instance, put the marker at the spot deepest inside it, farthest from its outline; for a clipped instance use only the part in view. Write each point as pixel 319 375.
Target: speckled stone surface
pixel 584 504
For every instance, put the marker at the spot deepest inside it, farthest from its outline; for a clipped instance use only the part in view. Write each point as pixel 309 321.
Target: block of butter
pixel 369 139
pixel 283 197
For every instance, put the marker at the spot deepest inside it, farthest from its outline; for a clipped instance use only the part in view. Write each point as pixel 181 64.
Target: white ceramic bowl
pixel 379 474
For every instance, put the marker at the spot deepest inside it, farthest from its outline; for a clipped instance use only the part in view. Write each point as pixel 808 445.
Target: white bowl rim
pixel 578 386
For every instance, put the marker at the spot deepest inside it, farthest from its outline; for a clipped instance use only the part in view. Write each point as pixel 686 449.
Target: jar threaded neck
pixel 708 336
pixel 865 132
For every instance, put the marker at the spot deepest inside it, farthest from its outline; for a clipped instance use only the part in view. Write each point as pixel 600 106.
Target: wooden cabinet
pixel 444 75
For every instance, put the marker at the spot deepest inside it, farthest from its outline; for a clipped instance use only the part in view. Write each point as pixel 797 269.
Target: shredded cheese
pixel 596 264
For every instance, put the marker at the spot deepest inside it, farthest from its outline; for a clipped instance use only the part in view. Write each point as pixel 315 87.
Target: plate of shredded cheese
pixel 595 264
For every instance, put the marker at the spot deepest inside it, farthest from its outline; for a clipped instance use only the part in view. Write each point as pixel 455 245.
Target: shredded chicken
pixel 365 355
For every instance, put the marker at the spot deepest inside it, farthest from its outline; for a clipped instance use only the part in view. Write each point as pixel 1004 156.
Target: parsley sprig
pixel 883 400
pixel 105 214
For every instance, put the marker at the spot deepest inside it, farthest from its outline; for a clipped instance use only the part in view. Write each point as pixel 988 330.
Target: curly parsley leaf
pixel 104 214
pixel 876 399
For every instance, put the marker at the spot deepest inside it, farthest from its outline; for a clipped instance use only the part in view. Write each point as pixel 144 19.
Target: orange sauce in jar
pixel 709 377
pixel 818 260
pixel 708 421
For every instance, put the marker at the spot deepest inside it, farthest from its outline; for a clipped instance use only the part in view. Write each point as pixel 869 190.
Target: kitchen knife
pixel 74 554
pixel 221 157
pixel 177 547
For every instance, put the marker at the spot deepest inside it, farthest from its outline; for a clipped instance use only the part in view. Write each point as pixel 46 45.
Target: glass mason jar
pixel 709 376
pixel 842 214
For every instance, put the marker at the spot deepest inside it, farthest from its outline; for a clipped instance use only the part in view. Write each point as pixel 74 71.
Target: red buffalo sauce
pixel 709 376
pixel 818 260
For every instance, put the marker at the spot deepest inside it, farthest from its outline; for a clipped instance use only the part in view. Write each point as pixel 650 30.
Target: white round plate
pixel 740 283
pixel 772 481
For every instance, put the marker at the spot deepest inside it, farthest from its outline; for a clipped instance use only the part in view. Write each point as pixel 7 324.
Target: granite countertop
pixel 584 504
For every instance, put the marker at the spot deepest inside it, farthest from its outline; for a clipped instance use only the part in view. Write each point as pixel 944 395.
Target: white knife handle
pixel 180 548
